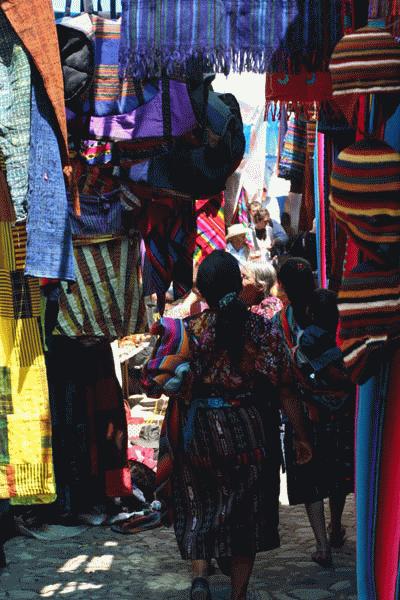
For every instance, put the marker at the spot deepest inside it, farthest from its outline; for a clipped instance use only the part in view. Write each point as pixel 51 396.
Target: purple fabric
pixel 147 121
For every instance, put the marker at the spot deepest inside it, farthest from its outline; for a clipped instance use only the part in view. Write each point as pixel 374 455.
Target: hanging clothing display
pixel 89 424
pixel 26 469
pixel 39 38
pixel 49 246
pixel 15 114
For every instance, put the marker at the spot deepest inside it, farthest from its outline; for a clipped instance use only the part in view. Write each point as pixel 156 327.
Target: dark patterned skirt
pixel 226 485
pixel 331 470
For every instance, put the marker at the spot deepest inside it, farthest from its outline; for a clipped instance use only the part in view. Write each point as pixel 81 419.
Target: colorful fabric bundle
pixel 49 251
pixel 26 469
pixel 217 35
pixel 293 156
pixel 365 196
pixel 167 369
pixel 364 62
pixel 210 219
pixel 369 307
pixel 15 114
pixel 104 301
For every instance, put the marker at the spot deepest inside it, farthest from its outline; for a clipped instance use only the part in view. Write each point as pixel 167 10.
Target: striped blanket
pixel 210 218
pixel 26 469
pixel 219 34
pixel 104 301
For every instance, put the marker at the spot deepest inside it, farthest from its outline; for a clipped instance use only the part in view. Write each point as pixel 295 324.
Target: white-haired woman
pixel 260 289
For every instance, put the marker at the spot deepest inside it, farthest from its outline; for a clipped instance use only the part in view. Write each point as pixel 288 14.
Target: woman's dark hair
pixel 297 279
pixel 219 274
pixel 324 310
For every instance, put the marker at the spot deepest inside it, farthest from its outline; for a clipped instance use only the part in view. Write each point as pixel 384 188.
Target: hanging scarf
pixel 220 35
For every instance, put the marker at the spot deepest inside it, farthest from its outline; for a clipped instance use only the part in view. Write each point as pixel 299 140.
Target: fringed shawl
pixel 219 35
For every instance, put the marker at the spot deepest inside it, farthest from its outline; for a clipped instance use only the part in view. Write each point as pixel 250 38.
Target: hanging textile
pixel 293 156
pixel 26 470
pixel 389 11
pixel 49 245
pixel 387 522
pixel 168 231
pixel 108 94
pixel 369 436
pixel 90 427
pixel 104 301
pixel 210 219
pixel 15 114
pixel 218 35
pixel 39 38
pixel 308 208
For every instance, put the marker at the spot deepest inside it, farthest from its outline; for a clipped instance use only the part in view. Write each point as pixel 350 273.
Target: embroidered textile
pixel 49 247
pixel 26 469
pixel 15 114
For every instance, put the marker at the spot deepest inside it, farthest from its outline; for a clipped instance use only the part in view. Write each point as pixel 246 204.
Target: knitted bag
pixel 364 62
pixel 369 308
pixel 365 197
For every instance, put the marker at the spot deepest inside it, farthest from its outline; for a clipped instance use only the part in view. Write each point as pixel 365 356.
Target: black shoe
pixel 3 562
pixel 200 589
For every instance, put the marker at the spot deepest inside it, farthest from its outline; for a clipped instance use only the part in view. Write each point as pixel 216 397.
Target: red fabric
pixel 388 522
pixel 304 88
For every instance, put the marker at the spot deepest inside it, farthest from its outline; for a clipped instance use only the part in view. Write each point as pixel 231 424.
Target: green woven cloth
pixel 15 114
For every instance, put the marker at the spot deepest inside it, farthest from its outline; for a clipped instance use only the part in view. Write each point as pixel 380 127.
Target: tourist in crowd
pixel 331 428
pixel 237 242
pixel 269 229
pixel 254 206
pixel 225 472
pixel 260 289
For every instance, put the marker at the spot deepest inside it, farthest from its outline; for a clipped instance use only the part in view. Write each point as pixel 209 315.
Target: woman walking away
pixel 260 289
pixel 220 450
pixel 308 326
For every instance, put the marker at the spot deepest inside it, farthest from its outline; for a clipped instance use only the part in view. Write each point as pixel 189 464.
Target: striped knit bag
pixel 364 62
pixel 365 196
pixel 369 308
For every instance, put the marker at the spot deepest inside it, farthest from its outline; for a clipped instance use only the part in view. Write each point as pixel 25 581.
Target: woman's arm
pixel 293 410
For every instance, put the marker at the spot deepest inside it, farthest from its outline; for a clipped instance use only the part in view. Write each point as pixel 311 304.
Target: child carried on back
pixel 318 357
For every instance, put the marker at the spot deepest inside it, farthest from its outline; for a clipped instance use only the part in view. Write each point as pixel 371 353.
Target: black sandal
pixel 200 589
